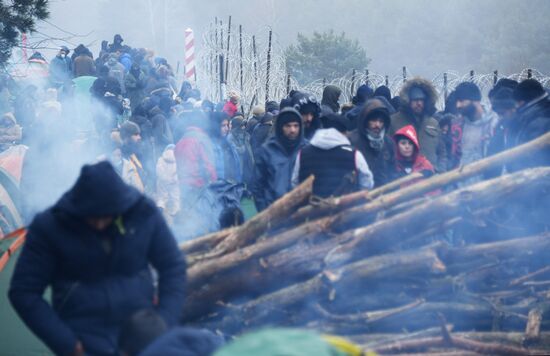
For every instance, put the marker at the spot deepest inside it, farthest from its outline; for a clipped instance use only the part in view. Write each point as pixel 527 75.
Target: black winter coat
pixel 380 162
pixel 261 133
pixel 532 120
pixel 98 278
pixel 273 172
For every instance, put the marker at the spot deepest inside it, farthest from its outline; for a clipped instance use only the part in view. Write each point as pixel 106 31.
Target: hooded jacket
pixel 379 161
pixel 331 159
pixel 329 103
pixel 98 278
pixel 161 131
pixel 532 120
pixel 274 164
pixel 261 132
pixel 419 163
pixel 429 135
pixel 239 139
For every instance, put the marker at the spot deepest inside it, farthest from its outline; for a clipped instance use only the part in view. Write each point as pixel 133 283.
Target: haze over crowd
pixel 427 36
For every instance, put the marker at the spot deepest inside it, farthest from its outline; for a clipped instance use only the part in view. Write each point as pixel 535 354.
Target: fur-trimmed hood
pixel 427 87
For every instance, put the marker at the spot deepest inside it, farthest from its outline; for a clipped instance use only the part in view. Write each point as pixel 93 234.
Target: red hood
pixel 410 133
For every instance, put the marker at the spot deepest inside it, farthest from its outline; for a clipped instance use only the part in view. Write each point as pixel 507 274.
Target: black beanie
pixel 288 115
pixel 528 90
pixel 468 91
pixel 335 121
pixel 383 91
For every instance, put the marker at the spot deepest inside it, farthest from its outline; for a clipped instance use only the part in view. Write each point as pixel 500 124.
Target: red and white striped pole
pixel 24 47
pixel 190 73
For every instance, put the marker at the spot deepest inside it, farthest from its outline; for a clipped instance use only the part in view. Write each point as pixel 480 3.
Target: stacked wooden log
pixel 386 267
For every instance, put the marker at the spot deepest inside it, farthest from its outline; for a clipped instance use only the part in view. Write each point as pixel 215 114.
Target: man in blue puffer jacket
pixel 94 247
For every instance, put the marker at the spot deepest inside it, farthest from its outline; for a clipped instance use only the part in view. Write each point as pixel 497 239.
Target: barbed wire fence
pixel 255 66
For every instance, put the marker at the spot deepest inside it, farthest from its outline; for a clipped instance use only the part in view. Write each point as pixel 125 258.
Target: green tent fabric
pixel 83 119
pixel 83 84
pixel 279 342
pixel 249 208
pixel 15 338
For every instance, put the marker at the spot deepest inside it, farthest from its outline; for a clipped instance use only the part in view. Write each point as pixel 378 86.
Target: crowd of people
pixel 200 159
pixel 196 161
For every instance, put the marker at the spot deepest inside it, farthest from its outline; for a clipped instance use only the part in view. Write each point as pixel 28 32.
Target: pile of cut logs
pixel 453 264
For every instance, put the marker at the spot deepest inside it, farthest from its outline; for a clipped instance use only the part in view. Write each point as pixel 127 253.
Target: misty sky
pixel 428 36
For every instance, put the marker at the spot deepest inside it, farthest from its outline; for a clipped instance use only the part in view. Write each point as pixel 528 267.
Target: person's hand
pixel 426 173
pixel 78 349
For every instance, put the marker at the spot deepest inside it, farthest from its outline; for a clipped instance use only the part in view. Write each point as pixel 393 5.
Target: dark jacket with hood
pixel 364 92
pixel 261 132
pixel 274 163
pixel 239 139
pixel 532 120
pixel 98 278
pixel 161 131
pixel 379 159
pixel 329 103
pixel 427 127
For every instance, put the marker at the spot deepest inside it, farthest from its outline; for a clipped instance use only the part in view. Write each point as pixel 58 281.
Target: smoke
pixel 60 142
pixel 427 36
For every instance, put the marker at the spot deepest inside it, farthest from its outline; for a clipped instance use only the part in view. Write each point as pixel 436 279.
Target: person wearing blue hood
pixel 94 248
pixel 532 120
pixel 364 92
pixel 276 157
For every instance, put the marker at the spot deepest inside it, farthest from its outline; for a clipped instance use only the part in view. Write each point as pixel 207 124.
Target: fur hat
pixel 258 111
pixel 233 94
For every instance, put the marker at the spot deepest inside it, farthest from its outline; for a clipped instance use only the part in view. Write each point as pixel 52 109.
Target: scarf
pixel 376 142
